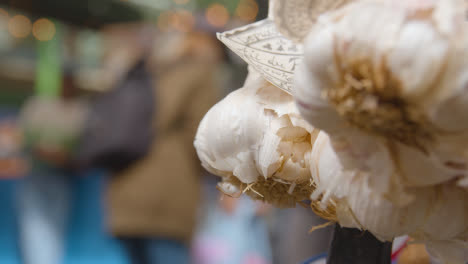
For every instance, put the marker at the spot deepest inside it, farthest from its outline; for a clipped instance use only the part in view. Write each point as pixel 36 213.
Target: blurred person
pixel 65 136
pixel 153 202
pixel 51 127
pixel 234 231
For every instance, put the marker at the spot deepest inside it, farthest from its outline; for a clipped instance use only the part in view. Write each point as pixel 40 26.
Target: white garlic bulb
pixel 228 136
pixel 359 206
pixel 365 73
pixel 257 141
pixel 385 81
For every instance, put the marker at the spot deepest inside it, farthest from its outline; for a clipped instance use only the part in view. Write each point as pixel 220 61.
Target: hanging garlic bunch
pixel 256 140
pixel 359 206
pixel 387 81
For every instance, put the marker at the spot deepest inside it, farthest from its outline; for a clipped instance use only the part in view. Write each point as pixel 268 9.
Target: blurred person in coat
pixel 51 127
pixel 153 203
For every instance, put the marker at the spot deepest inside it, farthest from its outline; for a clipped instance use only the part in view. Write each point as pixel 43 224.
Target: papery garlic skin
pixel 437 216
pixel 257 136
pixel 397 145
pixel 228 137
pixel 395 72
pixel 450 252
pixel 357 204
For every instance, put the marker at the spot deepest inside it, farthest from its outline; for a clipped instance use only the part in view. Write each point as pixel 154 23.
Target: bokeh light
pixel 247 10
pixel 217 15
pixel 3 19
pixel 44 29
pixel 19 26
pixel 183 21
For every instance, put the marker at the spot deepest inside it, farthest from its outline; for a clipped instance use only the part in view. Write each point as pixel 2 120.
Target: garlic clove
pixel 269 159
pixel 229 134
pixel 417 68
pixel 418 169
pixel 293 172
pixel 450 201
pixel 245 169
pixel 448 111
pixel 358 205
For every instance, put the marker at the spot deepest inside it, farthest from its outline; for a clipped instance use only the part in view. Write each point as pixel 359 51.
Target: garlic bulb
pixel 295 18
pixel 424 217
pixel 365 73
pixel 257 141
pixel 357 204
pixel 228 136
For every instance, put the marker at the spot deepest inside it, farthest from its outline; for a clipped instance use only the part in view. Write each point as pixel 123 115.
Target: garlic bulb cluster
pixel 394 75
pixel 256 140
pixel 359 206
pixel 386 81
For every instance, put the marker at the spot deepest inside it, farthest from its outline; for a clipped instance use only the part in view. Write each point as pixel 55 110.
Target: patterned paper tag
pixel 266 50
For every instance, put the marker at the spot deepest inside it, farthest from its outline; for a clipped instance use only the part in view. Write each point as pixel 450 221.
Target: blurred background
pixel 99 104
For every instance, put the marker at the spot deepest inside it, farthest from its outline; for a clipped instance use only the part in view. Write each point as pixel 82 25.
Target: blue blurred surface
pixel 87 239
pixel 8 246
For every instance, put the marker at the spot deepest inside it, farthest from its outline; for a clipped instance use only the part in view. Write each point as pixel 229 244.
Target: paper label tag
pixel 271 54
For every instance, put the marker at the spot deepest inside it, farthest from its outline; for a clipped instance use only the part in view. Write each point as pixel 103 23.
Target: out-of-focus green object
pixel 50 125
pixel 49 68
